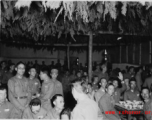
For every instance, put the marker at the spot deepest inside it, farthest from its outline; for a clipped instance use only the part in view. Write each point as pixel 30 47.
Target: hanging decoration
pixel 105 55
pixel 55 18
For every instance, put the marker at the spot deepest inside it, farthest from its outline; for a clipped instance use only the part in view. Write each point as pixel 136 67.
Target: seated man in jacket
pixel 34 111
pixel 106 104
pixel 57 102
pixel 132 94
pixel 6 107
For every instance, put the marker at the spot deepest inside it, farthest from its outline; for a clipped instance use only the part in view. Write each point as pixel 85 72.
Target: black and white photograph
pixel 76 60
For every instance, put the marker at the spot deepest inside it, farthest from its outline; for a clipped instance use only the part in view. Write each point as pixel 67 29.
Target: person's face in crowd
pixel 132 85
pixel 87 79
pixel 3 65
pixel 132 70
pixel 85 87
pixel 42 75
pixel 65 117
pixel 85 73
pixel 59 103
pixel 110 90
pixel 32 72
pixel 12 67
pixel 96 80
pixel 79 74
pixel 103 83
pixel 77 90
pixel 104 68
pixel 20 69
pixel 89 88
pixel 115 83
pixel 54 75
pixel 67 73
pixel 126 81
pixel 2 95
pixel 145 94
pixel 35 109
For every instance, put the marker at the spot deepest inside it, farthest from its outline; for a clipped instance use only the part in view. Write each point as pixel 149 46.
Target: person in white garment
pixel 86 108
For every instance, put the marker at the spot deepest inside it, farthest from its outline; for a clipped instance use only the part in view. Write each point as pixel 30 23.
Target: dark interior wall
pixel 0 50
pixel 136 54
pixel 145 53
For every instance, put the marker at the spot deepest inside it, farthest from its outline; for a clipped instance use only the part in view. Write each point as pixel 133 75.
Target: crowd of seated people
pixel 31 91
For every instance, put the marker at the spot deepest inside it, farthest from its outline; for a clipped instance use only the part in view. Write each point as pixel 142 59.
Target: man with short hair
pixel 6 107
pixel 106 104
pixel 34 83
pixel 18 91
pixel 47 90
pixel 102 89
pixel 95 82
pixel 34 110
pixel 148 103
pixel 118 91
pixel 132 94
pixel 57 102
pixel 85 109
pixel 7 75
pixel 58 86
pixel 103 73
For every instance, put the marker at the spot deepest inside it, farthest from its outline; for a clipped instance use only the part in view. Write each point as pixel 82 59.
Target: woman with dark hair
pixel 65 114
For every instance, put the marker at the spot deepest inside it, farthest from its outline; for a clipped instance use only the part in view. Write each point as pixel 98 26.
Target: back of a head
pixel 2 88
pixel 78 85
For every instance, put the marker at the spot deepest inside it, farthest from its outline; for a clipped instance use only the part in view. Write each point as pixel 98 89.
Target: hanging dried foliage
pixel 38 20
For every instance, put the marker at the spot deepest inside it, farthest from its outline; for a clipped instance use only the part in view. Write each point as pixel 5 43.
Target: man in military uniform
pixel 57 102
pixel 102 89
pixel 106 104
pixel 148 81
pixel 148 103
pixel 34 110
pixel 6 107
pixel 132 94
pixel 7 75
pixel 34 83
pixel 86 108
pixel 48 89
pixel 118 91
pixel 58 85
pixel 18 91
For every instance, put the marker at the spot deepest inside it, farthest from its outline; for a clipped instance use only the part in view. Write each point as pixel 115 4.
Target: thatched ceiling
pixel 39 23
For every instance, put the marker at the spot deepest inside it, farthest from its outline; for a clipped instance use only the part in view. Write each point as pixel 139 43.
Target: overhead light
pixel 105 52
pixel 119 38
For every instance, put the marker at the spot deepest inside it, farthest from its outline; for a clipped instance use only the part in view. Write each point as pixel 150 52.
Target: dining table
pixel 129 113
